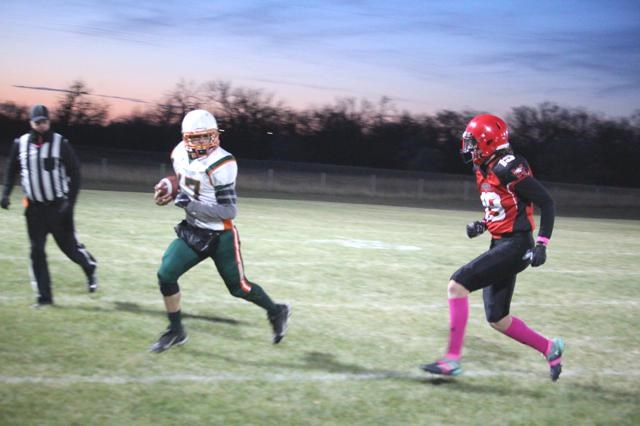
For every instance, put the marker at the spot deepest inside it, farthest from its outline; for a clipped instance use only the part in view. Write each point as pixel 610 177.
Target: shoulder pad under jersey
pixel 178 150
pixel 222 168
pixel 512 168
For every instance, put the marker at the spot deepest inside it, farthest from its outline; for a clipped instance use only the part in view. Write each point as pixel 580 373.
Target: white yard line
pixel 385 306
pixel 289 377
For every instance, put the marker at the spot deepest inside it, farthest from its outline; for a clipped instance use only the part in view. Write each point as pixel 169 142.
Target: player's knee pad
pixel 166 275
pixel 238 292
pixel 493 316
pixel 238 289
pixel 168 289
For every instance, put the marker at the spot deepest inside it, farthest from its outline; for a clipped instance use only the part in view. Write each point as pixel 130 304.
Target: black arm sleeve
pixel 531 189
pixel 11 169
pixel 72 166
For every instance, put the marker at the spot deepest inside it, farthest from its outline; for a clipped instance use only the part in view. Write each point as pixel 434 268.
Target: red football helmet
pixel 485 134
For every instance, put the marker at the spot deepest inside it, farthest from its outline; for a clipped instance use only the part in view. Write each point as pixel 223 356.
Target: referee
pixel 50 179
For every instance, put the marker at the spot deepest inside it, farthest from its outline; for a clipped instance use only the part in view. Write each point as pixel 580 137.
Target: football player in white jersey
pixel 206 175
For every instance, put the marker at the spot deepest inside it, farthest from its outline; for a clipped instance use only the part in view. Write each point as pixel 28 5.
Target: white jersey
pixel 210 180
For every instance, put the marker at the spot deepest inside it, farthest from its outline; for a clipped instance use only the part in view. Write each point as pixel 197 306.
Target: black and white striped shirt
pixel 49 170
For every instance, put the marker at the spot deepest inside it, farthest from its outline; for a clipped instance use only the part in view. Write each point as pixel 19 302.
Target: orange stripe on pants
pixel 244 283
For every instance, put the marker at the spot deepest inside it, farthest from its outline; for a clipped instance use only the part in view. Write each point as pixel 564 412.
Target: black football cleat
pixel 169 338
pixel 42 304
pixel 280 322
pixel 92 280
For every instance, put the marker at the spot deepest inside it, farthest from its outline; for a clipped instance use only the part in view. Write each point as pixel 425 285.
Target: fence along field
pixel 122 170
pixel 368 288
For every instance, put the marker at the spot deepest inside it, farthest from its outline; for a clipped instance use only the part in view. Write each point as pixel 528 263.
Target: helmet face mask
pixel 200 133
pixel 201 144
pixel 485 134
pixel 469 148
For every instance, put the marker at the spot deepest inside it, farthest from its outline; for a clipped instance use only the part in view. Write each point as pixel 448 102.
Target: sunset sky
pixel 425 55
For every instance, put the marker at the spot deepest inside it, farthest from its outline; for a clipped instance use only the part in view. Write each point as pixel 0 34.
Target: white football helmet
pixel 200 133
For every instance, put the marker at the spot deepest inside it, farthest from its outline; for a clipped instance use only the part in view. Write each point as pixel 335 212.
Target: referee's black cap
pixel 39 112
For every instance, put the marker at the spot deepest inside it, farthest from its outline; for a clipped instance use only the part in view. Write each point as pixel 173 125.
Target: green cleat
pixel 554 356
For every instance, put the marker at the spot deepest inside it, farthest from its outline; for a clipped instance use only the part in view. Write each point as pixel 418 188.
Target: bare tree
pixel 183 98
pixel 218 95
pixel 76 107
pixel 13 111
pixel 241 104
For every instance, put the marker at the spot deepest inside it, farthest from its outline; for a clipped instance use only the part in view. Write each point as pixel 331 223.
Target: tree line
pixel 562 144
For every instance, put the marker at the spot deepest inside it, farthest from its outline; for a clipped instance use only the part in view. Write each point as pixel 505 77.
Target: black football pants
pixel 495 272
pixel 45 219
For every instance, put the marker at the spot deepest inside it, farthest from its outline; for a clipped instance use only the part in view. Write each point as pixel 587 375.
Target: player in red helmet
pixel 508 192
pixel 484 136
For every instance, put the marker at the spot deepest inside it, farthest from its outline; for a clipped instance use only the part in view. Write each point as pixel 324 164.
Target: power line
pixel 53 89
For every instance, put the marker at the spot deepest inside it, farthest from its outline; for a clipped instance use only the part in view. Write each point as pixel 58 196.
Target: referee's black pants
pixel 44 219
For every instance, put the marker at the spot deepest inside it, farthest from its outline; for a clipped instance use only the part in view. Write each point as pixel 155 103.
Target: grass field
pixel 368 289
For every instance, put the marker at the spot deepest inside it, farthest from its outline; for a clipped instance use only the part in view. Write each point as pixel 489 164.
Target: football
pixel 165 190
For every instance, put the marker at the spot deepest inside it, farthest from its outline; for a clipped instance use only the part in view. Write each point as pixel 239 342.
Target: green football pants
pixel 179 258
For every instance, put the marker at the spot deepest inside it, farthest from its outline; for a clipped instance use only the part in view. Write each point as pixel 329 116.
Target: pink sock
pixel 458 316
pixel 519 331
